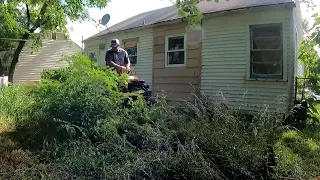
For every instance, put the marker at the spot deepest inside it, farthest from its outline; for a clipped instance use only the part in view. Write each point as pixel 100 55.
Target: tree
pixel 189 10
pixel 33 19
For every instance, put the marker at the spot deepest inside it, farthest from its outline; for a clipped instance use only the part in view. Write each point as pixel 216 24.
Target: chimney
pixel 54 36
pixel 58 36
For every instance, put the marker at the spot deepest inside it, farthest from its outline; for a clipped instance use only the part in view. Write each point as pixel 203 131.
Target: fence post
pixel 303 87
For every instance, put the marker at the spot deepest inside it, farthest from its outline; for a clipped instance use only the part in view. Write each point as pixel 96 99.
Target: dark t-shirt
pixel 119 57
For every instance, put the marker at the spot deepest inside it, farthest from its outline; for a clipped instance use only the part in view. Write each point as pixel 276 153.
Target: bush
pixel 72 106
pixel 73 125
pixel 15 102
pixel 240 145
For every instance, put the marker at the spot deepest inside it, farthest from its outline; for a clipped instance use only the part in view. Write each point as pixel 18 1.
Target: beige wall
pixel 30 66
pixel 177 82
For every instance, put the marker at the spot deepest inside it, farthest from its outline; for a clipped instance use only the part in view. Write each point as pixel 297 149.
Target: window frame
pixel 284 39
pixel 167 51
pixel 137 40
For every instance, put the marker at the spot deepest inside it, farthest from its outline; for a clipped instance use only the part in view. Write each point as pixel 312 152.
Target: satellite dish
pixel 105 19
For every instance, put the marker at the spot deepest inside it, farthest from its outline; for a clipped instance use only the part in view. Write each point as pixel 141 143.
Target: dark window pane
pixel 132 51
pixel 266 56
pixel 93 57
pixel 176 57
pixel 267 43
pixel 266 31
pixel 133 59
pixel 267 69
pixel 176 43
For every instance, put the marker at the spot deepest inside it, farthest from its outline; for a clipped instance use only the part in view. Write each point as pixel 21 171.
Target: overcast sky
pixel 120 10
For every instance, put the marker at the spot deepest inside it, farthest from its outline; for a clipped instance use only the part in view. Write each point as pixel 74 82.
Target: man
pixel 117 57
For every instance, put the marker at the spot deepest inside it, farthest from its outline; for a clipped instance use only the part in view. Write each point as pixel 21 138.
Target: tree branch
pixel 26 35
pixel 28 15
pixel 40 22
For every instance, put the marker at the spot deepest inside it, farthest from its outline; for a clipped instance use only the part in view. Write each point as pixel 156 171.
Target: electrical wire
pixel 14 39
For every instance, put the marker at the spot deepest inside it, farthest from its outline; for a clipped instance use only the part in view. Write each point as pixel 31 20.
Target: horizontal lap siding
pixel 225 54
pixel 145 51
pixel 177 83
pixel 30 66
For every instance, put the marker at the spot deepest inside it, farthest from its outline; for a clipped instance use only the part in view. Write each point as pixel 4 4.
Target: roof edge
pixel 178 20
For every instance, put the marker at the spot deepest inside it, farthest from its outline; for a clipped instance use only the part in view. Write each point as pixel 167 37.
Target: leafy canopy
pixel 188 9
pixel 36 18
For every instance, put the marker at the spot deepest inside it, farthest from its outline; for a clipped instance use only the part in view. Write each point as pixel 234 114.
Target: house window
pixel 131 46
pixel 133 54
pixel 93 57
pixel 175 51
pixel 266 51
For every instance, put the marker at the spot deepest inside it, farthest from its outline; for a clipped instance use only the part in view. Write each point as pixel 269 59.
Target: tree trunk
pixel 15 58
pixel 1 67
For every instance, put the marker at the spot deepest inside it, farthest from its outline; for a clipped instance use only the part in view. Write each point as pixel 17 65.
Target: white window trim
pixel 284 52
pixel 166 51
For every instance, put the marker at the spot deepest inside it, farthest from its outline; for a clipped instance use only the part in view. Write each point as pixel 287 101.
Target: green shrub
pixel 72 107
pixel 77 128
pixel 15 102
pixel 84 160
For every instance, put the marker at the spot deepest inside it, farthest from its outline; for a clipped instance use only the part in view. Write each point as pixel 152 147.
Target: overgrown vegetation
pixel 73 125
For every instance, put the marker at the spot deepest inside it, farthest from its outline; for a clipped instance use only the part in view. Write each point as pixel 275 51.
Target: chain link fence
pixel 306 88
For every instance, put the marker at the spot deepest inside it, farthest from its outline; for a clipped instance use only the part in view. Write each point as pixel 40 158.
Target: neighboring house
pixel 30 66
pixel 245 49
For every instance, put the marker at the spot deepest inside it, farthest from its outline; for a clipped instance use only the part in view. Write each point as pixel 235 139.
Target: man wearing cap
pixel 117 57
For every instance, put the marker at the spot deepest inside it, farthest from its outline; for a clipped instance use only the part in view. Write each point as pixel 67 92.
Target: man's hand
pixel 124 69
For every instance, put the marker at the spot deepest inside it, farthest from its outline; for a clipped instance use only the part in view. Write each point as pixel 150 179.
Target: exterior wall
pixel 30 66
pixel 143 68
pixel 226 59
pixel 297 35
pixel 177 82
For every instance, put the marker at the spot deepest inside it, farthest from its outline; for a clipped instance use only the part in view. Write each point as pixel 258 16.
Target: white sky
pixel 120 10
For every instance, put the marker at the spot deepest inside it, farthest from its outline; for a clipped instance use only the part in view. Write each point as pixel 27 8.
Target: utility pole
pixel 82 45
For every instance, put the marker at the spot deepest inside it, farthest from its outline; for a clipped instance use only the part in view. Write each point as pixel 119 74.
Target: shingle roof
pixel 171 13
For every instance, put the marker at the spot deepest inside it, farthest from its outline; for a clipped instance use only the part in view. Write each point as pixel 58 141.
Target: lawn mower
pixel 136 84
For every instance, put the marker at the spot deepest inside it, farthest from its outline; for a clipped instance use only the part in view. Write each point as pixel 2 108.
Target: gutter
pixel 178 20
pixel 287 5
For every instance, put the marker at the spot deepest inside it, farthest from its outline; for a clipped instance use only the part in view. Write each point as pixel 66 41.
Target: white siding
pixel 226 59
pixel 30 66
pixel 143 68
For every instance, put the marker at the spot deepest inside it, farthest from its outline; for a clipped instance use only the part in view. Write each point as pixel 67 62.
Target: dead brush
pixel 235 139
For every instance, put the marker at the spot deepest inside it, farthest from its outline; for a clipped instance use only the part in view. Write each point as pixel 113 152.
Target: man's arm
pixel 127 60
pixel 109 61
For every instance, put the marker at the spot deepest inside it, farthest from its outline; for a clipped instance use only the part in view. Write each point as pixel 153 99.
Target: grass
pixel 6 125
pixel 300 150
